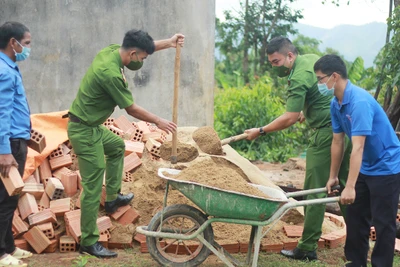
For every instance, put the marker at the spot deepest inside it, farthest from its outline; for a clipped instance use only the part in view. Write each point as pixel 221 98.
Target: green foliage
pixel 81 261
pixel 242 37
pixel 236 110
pixel 356 70
pixel 307 45
pixel 391 52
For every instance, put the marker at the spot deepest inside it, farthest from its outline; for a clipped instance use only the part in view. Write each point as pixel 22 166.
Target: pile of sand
pixel 185 152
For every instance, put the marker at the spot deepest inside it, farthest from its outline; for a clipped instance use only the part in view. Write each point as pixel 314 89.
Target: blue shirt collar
pixel 8 60
pixel 346 96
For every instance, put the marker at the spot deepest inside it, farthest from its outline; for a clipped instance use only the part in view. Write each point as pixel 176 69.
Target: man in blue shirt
pixel 15 40
pixel 373 184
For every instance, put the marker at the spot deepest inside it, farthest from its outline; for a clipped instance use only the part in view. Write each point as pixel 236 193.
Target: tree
pixel 242 37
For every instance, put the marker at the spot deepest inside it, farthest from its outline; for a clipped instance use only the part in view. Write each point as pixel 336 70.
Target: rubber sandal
pixel 11 261
pixel 21 253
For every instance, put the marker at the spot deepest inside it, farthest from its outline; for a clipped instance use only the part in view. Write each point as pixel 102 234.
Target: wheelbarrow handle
pixel 311 191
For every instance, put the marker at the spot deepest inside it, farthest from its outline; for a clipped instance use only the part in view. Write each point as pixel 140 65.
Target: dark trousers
pixel 375 204
pixel 9 204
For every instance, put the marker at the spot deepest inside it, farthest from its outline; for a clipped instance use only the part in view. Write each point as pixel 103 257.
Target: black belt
pixel 72 117
pixel 323 126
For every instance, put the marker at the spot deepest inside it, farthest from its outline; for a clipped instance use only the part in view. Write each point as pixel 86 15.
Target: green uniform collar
pixel 115 48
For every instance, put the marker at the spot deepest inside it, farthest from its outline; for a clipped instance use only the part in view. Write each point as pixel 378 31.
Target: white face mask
pixel 324 90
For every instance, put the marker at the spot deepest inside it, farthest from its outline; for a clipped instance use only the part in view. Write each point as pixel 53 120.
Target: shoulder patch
pixel 123 75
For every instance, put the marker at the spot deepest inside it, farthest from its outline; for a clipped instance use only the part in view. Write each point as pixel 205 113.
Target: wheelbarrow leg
pixel 250 248
pixel 257 242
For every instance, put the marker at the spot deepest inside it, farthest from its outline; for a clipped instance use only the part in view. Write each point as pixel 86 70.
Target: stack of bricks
pixel 52 193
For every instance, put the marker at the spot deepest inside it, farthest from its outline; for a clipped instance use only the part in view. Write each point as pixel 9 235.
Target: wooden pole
pixel 175 103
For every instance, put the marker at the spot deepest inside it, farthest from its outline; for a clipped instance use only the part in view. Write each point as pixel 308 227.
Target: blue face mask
pixel 26 51
pixel 324 90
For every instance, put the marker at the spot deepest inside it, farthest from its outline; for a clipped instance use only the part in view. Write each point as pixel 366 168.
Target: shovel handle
pixel 234 138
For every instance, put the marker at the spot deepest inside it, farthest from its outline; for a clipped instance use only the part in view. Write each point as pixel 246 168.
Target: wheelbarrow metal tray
pixel 224 203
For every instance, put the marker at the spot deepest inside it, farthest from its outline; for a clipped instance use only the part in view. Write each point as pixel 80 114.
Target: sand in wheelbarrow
pixel 210 173
pixel 208 141
pixel 185 152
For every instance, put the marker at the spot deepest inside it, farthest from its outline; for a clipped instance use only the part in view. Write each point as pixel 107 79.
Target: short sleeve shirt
pixel 102 88
pixel 360 114
pixel 303 94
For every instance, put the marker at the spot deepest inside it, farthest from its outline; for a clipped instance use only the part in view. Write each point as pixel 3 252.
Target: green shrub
pixel 238 109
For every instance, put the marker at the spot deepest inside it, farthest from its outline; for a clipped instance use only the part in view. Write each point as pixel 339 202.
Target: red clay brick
pixel 14 183
pixel 58 152
pixel 37 141
pixel 57 173
pixel 45 171
pixel 159 137
pixel 119 245
pixel 60 206
pixel 131 162
pixel 130 216
pixel 60 162
pixel 19 225
pixel 67 244
pixel 334 239
pixel 143 126
pixel 41 217
pixel 153 146
pixel 70 183
pixel 47 229
pixel 123 123
pixel 103 239
pixel 37 239
pixel 272 247
pixel 293 230
pixel 52 247
pixel 290 244
pixel 22 244
pixel 116 131
pixel 120 211
pixel 136 135
pixel 36 190
pixel 27 206
pixel 44 202
pixel 140 237
pixel 372 234
pixel 54 188
pixel 104 223
pixel 232 248
pixel 134 147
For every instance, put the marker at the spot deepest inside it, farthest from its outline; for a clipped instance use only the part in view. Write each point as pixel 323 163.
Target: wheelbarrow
pixel 181 235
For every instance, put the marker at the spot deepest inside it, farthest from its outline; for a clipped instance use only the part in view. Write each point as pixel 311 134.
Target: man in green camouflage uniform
pixel 102 89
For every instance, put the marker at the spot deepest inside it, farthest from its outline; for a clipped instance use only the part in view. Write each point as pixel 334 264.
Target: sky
pixel 327 15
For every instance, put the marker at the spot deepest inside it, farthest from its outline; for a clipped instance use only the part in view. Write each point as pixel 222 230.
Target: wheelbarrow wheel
pixel 179 219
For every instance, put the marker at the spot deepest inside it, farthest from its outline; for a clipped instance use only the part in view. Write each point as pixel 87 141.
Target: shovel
pixel 234 138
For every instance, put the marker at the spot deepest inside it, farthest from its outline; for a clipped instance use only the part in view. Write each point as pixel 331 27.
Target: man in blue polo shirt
pixel 373 184
pixel 15 127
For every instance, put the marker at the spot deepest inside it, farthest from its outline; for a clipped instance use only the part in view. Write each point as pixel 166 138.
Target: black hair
pixel 329 64
pixel 139 39
pixel 281 45
pixel 11 29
